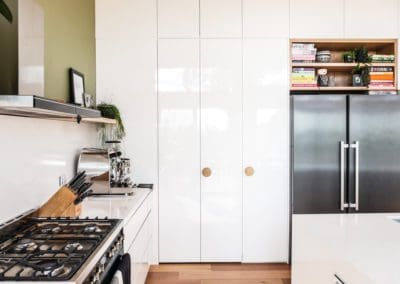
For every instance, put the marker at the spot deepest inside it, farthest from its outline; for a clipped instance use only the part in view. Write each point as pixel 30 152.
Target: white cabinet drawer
pixel 140 252
pixel 133 225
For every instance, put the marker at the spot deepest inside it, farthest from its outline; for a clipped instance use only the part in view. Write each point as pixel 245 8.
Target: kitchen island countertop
pixel 358 248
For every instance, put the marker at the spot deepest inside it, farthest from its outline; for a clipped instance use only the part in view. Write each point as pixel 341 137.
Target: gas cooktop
pixel 42 249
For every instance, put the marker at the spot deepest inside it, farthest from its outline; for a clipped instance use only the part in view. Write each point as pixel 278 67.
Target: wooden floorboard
pixel 219 274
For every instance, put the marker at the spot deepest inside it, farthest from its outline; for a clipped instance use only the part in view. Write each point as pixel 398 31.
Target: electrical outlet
pixel 62 179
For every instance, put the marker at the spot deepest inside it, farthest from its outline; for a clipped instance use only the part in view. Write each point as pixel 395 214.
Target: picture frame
pixel 89 101
pixel 77 87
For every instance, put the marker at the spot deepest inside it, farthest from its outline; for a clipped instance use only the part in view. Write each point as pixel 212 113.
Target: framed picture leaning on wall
pixel 77 87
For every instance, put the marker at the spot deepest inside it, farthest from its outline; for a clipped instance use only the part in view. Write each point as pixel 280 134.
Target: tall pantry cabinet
pixel 223 107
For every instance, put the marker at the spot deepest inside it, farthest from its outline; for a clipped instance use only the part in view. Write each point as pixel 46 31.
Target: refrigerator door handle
pixel 343 147
pixel 356 147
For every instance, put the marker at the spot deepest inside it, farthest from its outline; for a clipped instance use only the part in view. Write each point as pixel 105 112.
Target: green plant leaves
pixel 5 11
pixel 111 111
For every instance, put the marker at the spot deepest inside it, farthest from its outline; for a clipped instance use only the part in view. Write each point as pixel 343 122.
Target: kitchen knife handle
pixel 343 147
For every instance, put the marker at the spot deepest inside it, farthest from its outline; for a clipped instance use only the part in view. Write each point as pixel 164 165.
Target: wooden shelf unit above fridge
pixel 341 70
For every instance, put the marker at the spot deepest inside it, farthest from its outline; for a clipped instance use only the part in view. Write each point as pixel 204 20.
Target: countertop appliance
pixel 345 152
pixel 107 170
pixel 66 250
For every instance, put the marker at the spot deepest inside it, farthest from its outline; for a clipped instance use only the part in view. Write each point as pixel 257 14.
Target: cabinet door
pixel 266 151
pixel 140 252
pixel 179 150
pixel 366 19
pixel 178 18
pixel 221 149
pixel 30 48
pixel 316 18
pixel 261 19
pixel 221 19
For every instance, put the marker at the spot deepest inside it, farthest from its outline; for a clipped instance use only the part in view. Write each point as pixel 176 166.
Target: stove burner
pixel 73 247
pixel 92 228
pixel 51 229
pixel 3 268
pixel 25 245
pixel 50 268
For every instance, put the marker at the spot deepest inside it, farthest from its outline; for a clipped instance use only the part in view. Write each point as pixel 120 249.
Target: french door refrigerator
pixel 345 152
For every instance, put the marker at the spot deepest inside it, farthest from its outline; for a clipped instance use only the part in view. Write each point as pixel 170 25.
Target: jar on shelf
pixel 323 80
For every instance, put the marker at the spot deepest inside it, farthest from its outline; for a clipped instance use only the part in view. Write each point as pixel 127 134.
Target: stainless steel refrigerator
pixel 345 152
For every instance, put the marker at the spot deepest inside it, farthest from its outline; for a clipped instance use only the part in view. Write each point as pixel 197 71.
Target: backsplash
pixel 34 153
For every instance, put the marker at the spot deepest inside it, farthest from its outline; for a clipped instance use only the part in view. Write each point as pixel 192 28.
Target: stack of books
pixel 304 77
pixel 303 52
pixel 382 58
pixel 381 77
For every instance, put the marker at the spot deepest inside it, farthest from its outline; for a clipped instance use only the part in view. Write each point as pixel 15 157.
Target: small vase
pixel 348 58
pixel 357 80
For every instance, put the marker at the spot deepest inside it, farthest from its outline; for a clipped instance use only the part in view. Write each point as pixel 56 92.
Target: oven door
pixel 120 272
pixel 118 278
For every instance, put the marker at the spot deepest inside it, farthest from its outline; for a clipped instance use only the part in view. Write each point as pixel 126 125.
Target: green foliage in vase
pixel 111 111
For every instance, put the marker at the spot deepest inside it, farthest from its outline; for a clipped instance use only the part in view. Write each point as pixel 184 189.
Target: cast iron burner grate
pixel 44 249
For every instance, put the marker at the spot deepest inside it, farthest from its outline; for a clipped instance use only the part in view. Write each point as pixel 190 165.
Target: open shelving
pixel 42 108
pixel 342 71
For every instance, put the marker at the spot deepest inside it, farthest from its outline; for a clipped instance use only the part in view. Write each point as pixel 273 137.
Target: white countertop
pixel 360 248
pixel 114 207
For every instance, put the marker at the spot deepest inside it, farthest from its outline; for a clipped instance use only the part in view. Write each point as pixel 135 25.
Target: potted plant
pixel 5 11
pixel 348 56
pixel 361 55
pixel 361 75
pixel 114 132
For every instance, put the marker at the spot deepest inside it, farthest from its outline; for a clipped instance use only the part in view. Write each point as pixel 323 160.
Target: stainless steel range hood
pixel 39 107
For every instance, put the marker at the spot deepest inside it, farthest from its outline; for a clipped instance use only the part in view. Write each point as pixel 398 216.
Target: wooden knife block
pixel 61 204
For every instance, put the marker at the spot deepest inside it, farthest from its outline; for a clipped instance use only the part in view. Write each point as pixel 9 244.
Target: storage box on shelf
pixel 383 66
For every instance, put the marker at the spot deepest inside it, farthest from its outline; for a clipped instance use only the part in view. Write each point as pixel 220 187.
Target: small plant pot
pixel 357 80
pixel 348 58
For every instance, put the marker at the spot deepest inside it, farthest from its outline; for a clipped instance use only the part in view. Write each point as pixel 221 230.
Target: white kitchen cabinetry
pixel 266 150
pixel 368 19
pixel 221 18
pixel 221 149
pixel 30 48
pixel 209 123
pixel 262 19
pixel 317 19
pixel 179 150
pixel 138 240
pixel 178 18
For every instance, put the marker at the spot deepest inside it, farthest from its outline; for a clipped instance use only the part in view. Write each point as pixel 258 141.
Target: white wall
pixel 34 153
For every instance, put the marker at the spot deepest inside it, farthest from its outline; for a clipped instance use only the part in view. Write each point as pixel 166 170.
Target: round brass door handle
pixel 206 172
pixel 249 171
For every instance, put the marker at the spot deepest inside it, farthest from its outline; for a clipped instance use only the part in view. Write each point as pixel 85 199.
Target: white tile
pixel 178 18
pixel 266 18
pixel 317 18
pixel 221 18
pixel 368 19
